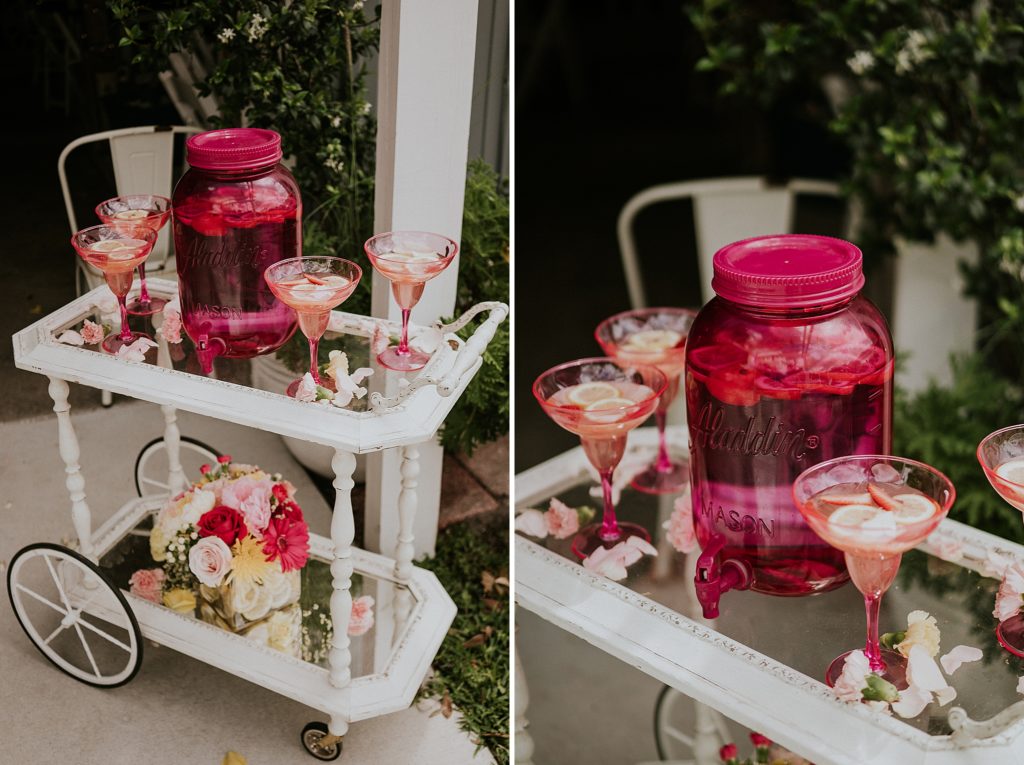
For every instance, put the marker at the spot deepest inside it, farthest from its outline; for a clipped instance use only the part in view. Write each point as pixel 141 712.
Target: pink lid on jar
pixel 788 271
pixel 233 149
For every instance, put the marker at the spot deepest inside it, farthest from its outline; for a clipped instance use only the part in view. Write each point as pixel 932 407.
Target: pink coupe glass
pixel 117 255
pixel 655 336
pixel 135 214
pixel 408 259
pixel 1001 455
pixel 874 509
pixel 601 400
pixel 313 287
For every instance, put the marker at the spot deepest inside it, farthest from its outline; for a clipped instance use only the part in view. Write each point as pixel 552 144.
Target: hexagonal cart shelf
pixel 348 678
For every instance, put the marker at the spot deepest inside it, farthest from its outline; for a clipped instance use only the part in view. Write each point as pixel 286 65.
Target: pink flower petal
pixel 959 655
pixel 532 523
pixel 606 562
pixel 1020 685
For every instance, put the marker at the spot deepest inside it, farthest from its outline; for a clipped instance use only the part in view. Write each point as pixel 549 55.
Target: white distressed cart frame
pixel 745 685
pixel 400 422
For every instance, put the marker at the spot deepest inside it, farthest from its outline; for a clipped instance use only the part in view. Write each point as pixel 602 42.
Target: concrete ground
pixel 177 710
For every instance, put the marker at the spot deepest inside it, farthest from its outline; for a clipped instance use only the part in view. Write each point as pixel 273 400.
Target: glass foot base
pixel 1011 635
pixel 895 669
pixel 137 308
pixel 412 361
pixel 113 343
pixel 654 481
pixel 589 538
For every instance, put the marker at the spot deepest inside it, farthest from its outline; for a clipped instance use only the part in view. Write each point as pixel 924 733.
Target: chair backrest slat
pixel 143 164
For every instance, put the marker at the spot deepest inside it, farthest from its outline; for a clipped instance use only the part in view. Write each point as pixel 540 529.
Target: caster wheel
pixel 675 713
pixel 152 469
pixel 74 615
pixel 312 735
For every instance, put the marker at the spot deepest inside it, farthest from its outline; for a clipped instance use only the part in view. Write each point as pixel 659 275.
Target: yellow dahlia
pixel 249 563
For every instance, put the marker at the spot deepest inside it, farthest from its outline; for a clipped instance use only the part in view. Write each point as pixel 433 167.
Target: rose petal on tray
pixel 962 654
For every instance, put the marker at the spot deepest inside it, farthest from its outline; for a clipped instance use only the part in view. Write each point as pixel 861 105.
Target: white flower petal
pixel 922 670
pixel 1020 685
pixel 911 702
pixel 642 545
pixel 959 655
pixel 945 695
pixel 533 523
pixel 71 337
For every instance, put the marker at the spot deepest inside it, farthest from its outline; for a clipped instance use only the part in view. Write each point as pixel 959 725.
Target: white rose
pixel 210 560
pixel 202 502
pixel 250 599
pixel 279 586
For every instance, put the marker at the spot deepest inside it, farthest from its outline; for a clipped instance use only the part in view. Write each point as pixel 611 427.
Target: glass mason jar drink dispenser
pixel 788 366
pixel 236 211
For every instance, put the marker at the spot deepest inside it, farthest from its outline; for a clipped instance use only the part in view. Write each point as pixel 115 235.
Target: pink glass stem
pixel 403 344
pixel 314 346
pixel 664 464
pixel 143 292
pixel 126 333
pixel 871 648
pixel 609 526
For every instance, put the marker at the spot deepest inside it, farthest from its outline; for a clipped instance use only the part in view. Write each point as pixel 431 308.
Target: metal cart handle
pixel 466 359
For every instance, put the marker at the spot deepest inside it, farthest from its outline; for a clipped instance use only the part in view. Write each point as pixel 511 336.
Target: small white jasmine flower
pixel 1019 203
pixel 226 35
pixel 257 28
pixel 357 5
pixel 365 108
pixel 181 556
pixel 335 121
pixel 861 62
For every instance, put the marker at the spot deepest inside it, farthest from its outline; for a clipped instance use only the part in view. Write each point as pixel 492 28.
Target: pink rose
pixel 210 560
pixel 680 525
pixel 147 583
pixel 170 330
pixel 251 497
pixel 562 521
pixel 362 615
pixel 92 332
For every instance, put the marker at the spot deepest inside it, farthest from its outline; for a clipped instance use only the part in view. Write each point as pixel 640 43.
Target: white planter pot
pixel 931 317
pixel 270 374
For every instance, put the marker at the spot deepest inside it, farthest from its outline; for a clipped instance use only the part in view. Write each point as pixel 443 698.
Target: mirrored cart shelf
pixel 762 661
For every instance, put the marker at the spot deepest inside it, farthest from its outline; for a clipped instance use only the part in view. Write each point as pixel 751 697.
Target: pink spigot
pixel 207 350
pixel 714 577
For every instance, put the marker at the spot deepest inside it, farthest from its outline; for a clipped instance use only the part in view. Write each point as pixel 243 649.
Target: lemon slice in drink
pixel 613 407
pixel 130 214
pixel 912 508
pixel 853 516
pixel 587 393
pixel 653 340
pixel 109 245
pixel 1012 471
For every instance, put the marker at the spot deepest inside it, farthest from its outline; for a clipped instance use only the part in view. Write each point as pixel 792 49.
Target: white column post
pixel 407 514
pixel 425 84
pixel 343 530
pixel 523 739
pixel 70 452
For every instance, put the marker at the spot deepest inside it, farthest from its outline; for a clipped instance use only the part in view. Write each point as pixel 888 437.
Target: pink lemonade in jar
pixel 236 212
pixel 788 367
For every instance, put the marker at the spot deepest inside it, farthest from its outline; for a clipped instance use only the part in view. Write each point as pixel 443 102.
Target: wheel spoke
pixel 88 652
pixel 40 598
pixel 60 628
pixel 105 636
pixel 678 735
pixel 154 482
pixel 56 581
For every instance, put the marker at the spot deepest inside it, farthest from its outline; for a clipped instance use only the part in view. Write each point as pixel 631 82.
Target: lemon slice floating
pixel 110 245
pixel 913 508
pixel 853 516
pixel 613 407
pixel 653 340
pixel 1012 471
pixel 587 393
pixel 130 214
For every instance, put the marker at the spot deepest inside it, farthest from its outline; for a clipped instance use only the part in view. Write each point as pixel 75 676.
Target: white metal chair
pixel 143 159
pixel 725 210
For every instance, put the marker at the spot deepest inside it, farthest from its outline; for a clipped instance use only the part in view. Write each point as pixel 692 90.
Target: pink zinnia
pixel 287 540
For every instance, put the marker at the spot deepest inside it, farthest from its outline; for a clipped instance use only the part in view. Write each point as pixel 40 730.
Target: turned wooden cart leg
pixel 176 480
pixel 343 530
pixel 81 517
pixel 523 740
pixel 407 513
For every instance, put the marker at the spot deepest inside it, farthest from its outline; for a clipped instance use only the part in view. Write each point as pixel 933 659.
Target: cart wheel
pixel 675 712
pixel 74 615
pixel 312 734
pixel 151 466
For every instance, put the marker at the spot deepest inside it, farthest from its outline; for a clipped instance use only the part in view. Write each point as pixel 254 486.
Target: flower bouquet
pixel 232 546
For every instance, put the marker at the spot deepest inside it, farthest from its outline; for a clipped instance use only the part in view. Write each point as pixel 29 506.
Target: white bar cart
pixel 92 627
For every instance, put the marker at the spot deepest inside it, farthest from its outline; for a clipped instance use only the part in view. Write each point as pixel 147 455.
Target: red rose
pixel 224 459
pixel 728 753
pixel 224 522
pixel 204 469
pixel 280 492
pixel 759 741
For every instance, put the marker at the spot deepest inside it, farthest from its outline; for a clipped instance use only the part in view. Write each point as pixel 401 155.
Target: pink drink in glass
pixel 655 336
pixel 117 255
pixel 601 400
pixel 408 259
pixel 313 287
pixel 1001 455
pixel 873 508
pixel 134 214
pixel 789 366
pixel 237 211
